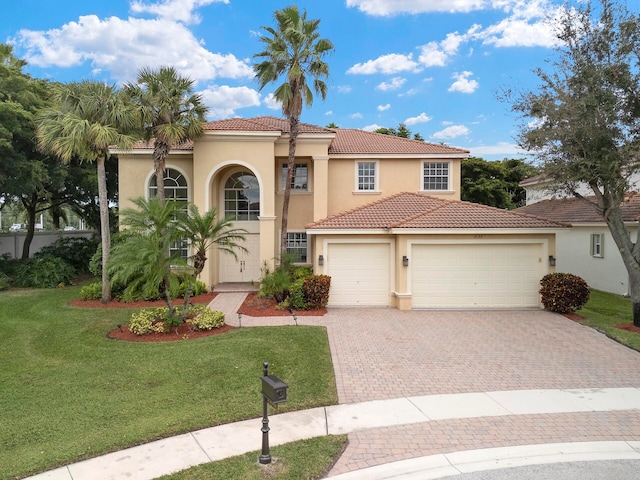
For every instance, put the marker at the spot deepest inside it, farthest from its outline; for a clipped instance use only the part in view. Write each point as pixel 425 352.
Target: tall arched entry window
pixel 177 190
pixel 242 205
pixel 242 197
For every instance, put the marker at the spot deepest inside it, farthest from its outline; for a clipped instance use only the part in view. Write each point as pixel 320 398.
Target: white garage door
pixel 359 274
pixel 476 276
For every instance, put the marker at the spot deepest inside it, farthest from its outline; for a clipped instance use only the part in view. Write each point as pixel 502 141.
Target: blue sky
pixel 436 65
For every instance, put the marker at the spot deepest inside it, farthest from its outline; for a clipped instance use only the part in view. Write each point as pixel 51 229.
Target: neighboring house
pixel 587 249
pixel 380 214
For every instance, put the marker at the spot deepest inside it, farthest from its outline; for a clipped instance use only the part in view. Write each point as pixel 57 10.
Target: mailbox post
pixel 274 391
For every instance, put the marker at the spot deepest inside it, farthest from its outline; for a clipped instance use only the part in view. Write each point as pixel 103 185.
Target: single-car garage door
pixel 476 275
pixel 359 273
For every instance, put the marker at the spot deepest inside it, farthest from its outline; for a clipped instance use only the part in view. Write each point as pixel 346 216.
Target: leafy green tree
pixel 402 131
pixel 293 50
pixel 86 119
pixel 495 183
pixel 205 230
pixel 583 121
pixel 171 113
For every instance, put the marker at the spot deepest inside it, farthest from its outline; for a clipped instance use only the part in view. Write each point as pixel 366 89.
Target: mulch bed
pixel 255 306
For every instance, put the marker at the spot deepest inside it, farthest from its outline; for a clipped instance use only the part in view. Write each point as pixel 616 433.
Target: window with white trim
pixel 242 197
pixel 176 190
pixel 367 178
pixel 297 246
pixel 597 245
pixel 435 175
pixel 299 179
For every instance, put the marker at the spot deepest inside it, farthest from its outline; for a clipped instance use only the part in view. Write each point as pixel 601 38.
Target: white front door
pixel 245 268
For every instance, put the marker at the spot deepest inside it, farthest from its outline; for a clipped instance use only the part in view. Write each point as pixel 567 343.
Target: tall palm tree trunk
pixel 105 232
pixel 295 127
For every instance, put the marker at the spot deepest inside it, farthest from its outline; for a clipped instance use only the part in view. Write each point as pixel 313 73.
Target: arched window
pixel 242 197
pixel 175 189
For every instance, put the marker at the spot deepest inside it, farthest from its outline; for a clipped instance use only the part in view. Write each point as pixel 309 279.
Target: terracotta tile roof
pixel 415 210
pixel 351 141
pixel 576 210
pixel 148 145
pixel 262 124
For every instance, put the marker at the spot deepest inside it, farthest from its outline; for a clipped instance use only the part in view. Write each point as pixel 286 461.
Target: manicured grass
pixel 302 460
pixel 605 310
pixel 68 392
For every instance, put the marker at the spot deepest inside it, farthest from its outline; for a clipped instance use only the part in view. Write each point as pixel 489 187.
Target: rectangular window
pixel 366 176
pixel 299 179
pixel 435 176
pixel 597 240
pixel 297 246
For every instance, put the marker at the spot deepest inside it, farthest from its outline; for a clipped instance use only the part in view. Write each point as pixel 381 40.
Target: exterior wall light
pixel 320 259
pixel 552 261
pixel 405 261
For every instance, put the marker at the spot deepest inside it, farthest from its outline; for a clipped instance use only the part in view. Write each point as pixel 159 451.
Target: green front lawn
pixel 605 310
pixel 68 392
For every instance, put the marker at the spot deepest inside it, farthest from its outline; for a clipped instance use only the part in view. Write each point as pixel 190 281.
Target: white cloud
pixel 372 128
pixel 272 102
pixel 123 47
pixel 177 10
pixel 382 108
pixel 396 7
pixel 452 131
pixel 357 115
pixel 344 89
pixel 396 83
pixel 223 101
pixel 499 149
pixel 329 112
pixel 422 118
pixel 463 83
pixel 389 64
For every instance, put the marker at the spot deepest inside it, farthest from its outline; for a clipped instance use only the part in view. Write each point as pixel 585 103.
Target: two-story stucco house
pixel 380 214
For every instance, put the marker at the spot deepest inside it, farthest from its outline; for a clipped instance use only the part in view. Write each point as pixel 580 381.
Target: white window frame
pixel 424 176
pixel 177 190
pixel 596 248
pixel 283 177
pixel 300 237
pixel 376 176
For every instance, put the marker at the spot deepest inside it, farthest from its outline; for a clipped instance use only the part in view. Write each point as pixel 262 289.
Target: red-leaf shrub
pixel 563 292
pixel 316 291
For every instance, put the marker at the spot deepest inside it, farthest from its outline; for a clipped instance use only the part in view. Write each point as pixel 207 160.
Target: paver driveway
pixel 385 353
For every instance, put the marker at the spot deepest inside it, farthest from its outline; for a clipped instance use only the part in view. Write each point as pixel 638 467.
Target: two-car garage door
pixel 476 275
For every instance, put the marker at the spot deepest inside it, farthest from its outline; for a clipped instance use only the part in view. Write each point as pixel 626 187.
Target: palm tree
pixel 293 51
pixel 85 120
pixel 204 231
pixel 142 261
pixel 171 113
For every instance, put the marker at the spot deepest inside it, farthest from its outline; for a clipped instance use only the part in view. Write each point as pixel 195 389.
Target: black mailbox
pixel 274 389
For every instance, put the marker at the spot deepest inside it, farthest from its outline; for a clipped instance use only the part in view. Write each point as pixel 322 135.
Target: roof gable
pixel 577 210
pixel 420 211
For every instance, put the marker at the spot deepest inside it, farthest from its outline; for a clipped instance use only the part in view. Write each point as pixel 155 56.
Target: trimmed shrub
pixel 76 251
pixel 148 320
pixel 44 271
pixel 296 295
pixel 316 291
pixel 204 318
pixel 93 291
pixel 563 292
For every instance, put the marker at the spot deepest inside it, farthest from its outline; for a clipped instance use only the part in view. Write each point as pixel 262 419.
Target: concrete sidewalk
pixel 173 454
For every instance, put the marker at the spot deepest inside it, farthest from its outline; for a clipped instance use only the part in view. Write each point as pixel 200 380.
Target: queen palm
pixel 293 50
pixel 85 120
pixel 171 113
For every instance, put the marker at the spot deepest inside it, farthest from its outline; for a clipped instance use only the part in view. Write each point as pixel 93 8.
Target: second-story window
pixel 435 176
pixel 300 177
pixel 366 176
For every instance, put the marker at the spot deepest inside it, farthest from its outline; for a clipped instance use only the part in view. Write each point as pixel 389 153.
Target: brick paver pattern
pixel 383 353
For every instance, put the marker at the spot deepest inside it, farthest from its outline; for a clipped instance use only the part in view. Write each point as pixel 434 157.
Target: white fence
pixel 13 242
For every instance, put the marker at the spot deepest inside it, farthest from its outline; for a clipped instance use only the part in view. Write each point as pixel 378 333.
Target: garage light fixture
pixel 552 261
pixel 405 261
pixel 320 259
